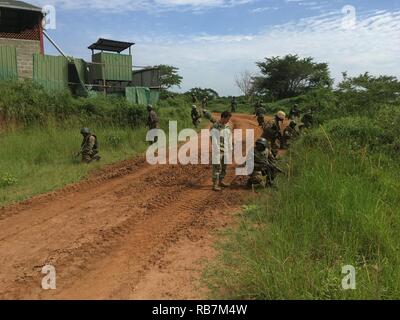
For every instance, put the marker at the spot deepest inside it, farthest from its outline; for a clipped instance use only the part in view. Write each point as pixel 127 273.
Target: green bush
pixel 7 180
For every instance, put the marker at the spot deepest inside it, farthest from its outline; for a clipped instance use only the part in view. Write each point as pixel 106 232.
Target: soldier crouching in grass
pixel 222 140
pixel 265 169
pixel 89 147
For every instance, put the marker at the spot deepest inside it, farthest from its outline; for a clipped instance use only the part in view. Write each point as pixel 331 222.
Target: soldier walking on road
pixel 220 133
pixel 152 121
pixel 89 147
pixel 234 105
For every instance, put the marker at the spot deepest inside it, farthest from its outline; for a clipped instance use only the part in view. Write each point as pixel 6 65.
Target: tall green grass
pixel 40 135
pixel 337 206
pixel 39 159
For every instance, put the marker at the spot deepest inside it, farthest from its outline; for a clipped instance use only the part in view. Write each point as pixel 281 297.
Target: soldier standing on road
pixel 220 131
pixel 234 105
pixel 89 147
pixel 195 116
pixel 152 121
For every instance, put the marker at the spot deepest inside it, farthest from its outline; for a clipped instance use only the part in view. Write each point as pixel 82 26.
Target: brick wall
pixel 25 51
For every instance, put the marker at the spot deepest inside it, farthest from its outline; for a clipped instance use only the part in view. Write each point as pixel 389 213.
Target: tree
pixel 169 76
pixel 291 76
pixel 244 81
pixel 200 93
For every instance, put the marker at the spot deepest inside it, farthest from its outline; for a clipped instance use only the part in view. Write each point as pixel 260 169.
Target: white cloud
pixel 152 6
pixel 213 61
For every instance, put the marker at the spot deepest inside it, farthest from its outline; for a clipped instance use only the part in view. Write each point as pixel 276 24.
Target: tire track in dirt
pixel 133 231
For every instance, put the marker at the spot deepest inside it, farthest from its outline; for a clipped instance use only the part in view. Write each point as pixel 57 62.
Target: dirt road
pixel 134 231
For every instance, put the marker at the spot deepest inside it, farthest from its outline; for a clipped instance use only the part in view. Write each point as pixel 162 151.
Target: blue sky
pixel 213 41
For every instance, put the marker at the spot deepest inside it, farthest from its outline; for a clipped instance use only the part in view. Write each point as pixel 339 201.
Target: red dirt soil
pixel 133 231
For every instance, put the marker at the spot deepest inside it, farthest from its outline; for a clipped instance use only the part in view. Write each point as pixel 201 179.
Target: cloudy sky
pixel 212 41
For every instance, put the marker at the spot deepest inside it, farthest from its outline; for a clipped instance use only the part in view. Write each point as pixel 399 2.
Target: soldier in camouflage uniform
pixel 207 114
pixel 295 113
pixel 289 134
pixel 204 103
pixel 260 114
pixel 272 131
pixel 89 147
pixel 219 170
pixel 195 116
pixel 265 169
pixel 152 121
pixel 234 105
pixel 308 120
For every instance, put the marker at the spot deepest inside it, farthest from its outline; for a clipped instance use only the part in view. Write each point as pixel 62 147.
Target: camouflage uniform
pixel 204 103
pixel 289 134
pixel 265 168
pixel 207 114
pixel 153 123
pixel 308 120
pixel 234 104
pixel 257 179
pixel 219 170
pixel 89 149
pixel 195 117
pixel 295 114
pixel 260 113
pixel 271 133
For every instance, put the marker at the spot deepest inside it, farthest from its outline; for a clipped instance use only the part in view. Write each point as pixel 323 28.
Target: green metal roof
pixel 13 4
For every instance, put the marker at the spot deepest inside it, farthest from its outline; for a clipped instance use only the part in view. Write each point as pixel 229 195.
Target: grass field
pixel 38 159
pixel 336 207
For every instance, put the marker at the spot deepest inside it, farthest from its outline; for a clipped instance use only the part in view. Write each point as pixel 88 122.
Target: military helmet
pixel 149 107
pixel 263 142
pixel 85 131
pixel 194 106
pixel 281 115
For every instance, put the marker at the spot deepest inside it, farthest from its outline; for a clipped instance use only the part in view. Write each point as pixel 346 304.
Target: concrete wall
pixel 25 51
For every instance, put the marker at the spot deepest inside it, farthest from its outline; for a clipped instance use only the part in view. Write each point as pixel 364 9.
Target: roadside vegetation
pixel 40 135
pixel 337 205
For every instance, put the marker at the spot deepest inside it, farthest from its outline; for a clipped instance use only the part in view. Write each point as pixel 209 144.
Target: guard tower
pixel 21 36
pixel 110 70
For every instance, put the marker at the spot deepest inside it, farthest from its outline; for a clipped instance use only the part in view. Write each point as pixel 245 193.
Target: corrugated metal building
pixel 21 36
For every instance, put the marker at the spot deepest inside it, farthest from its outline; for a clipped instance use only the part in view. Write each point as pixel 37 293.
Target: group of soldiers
pixel 266 149
pixel 273 138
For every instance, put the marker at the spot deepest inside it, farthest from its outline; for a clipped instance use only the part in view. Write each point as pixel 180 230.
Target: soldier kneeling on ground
pixel 289 134
pixel 265 169
pixel 89 147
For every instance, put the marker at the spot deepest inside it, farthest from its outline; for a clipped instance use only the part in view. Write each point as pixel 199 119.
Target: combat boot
pixel 222 184
pixel 216 187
